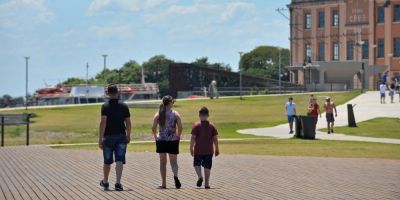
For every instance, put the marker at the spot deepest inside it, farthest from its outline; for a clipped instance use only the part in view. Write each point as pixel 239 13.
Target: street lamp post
pixel 26 82
pixel 374 66
pixel 240 74
pixel 104 69
pixel 279 65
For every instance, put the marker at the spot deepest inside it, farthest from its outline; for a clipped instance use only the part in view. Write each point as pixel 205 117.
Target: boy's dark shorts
pixel 171 147
pixel 203 160
pixel 330 117
pixel 114 146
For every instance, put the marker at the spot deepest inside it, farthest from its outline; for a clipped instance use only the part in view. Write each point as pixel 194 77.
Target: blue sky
pixel 62 36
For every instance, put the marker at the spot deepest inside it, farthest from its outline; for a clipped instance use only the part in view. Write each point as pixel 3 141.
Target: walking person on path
pixel 115 134
pixel 290 110
pixel 204 137
pixel 314 110
pixel 382 89
pixel 392 88
pixel 167 140
pixel 330 119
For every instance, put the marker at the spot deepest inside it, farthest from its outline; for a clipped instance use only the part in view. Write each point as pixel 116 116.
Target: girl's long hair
pixel 166 100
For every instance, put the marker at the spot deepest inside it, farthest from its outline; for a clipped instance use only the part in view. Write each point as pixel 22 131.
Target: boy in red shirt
pixel 204 137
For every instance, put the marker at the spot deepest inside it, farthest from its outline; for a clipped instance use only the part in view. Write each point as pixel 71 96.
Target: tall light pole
pixel 374 67
pixel 26 82
pixel 240 74
pixel 87 73
pixel 104 69
pixel 279 65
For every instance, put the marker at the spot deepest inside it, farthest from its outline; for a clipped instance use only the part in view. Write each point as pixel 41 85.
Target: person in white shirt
pixel 290 108
pixel 382 89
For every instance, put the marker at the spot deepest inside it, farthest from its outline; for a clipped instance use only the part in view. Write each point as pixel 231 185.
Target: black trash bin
pixel 298 128
pixel 308 124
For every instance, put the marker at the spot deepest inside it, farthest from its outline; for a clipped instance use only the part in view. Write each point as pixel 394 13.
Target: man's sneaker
pixel 118 187
pixel 177 182
pixel 199 182
pixel 104 185
pixel 331 130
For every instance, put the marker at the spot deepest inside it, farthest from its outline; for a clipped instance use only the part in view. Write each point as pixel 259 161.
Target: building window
pixel 396 46
pixel 350 50
pixel 308 53
pixel 381 14
pixel 321 51
pixel 321 19
pixel 335 51
pixel 365 49
pixel 396 13
pixel 307 21
pixel 335 18
pixel 381 48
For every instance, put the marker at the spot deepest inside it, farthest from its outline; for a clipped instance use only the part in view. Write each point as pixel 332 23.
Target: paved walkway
pixel 367 106
pixel 45 173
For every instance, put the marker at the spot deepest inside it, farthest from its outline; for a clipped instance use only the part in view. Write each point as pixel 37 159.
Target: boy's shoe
pixel 162 187
pixel 207 187
pixel 118 187
pixel 177 182
pixel 331 130
pixel 104 185
pixel 291 132
pixel 199 182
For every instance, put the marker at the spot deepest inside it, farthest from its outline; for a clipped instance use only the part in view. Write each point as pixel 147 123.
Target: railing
pixel 15 119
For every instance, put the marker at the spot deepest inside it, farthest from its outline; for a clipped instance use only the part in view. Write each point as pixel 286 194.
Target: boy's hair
pixel 290 98
pixel 203 111
pixel 112 90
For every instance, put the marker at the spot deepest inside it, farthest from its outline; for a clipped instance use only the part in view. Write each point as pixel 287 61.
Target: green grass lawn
pixel 377 127
pixel 80 123
pixel 285 147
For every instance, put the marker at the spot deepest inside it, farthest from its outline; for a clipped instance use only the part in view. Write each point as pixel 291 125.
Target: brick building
pixel 339 44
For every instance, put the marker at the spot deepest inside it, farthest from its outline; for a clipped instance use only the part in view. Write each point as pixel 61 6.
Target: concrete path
pixel 367 106
pixel 43 173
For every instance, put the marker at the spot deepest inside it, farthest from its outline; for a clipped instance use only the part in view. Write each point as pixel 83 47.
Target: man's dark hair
pixel 112 90
pixel 203 111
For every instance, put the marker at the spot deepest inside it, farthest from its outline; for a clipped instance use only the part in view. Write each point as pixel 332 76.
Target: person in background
pixel 314 110
pixel 330 119
pixel 384 78
pixel 398 87
pixel 290 110
pixel 167 140
pixel 115 134
pixel 213 90
pixel 204 137
pixel 392 88
pixel 382 89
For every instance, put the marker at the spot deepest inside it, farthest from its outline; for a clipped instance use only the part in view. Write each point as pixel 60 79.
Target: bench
pixel 13 120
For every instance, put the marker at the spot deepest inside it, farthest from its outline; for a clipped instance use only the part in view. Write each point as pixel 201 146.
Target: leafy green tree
pixel 263 61
pixel 157 71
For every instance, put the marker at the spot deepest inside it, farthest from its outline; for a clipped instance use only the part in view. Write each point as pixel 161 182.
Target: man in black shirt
pixel 115 134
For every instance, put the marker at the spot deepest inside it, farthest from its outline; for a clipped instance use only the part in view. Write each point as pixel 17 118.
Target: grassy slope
pixel 378 127
pixel 80 124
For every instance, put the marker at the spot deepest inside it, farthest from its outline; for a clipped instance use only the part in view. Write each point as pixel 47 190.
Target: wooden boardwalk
pixel 45 173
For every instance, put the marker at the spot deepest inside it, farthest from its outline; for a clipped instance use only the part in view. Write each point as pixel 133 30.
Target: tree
pixel 157 71
pixel 203 62
pixel 257 62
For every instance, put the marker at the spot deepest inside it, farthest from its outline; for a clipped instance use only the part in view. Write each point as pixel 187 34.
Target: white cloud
pixel 116 31
pixel 231 8
pixel 131 5
pixel 9 11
